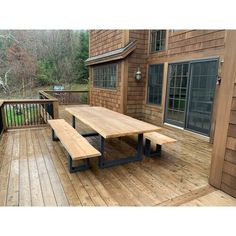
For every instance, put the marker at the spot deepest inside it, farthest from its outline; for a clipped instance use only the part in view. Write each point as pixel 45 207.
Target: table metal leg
pixel 108 163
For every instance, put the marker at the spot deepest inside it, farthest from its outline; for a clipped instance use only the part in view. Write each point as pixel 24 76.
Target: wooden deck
pixel 33 172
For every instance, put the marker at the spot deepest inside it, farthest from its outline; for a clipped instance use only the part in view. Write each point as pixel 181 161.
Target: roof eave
pixel 119 56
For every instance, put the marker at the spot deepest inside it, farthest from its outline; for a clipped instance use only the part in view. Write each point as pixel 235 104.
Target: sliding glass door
pixel 201 94
pixel 190 94
pixel 177 94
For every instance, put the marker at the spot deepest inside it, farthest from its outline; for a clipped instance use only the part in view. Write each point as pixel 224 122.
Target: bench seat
pixel 75 144
pixel 158 139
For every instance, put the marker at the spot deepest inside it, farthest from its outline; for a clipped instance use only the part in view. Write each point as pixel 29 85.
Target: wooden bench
pixel 159 140
pixel 75 144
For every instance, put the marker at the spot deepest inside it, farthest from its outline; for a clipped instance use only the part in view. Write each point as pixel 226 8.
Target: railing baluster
pixel 6 115
pixel 9 114
pixel 12 115
pixel 25 113
pixel 32 108
pixel 36 114
pixel 38 110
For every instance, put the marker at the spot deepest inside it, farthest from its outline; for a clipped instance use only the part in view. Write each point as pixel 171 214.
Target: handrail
pixel 21 113
pixel 66 97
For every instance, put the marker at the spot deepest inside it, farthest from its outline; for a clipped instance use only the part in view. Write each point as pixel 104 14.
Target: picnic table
pixel 111 124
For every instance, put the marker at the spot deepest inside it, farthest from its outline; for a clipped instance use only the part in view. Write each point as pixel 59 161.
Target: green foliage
pixel 45 73
pixel 81 54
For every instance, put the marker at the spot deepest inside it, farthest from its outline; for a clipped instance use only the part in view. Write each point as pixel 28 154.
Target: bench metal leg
pixel 79 167
pixel 54 138
pixel 148 152
pixel 108 163
pixel 73 122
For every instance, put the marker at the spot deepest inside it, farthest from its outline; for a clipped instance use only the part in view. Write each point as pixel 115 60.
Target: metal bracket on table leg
pixel 148 152
pixel 89 134
pixel 73 122
pixel 53 136
pixel 108 163
pixel 80 167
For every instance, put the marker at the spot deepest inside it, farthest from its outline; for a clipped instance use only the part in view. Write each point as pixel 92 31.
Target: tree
pixel 80 55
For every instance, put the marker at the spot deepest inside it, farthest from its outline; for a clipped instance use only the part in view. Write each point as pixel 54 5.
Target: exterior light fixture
pixel 138 75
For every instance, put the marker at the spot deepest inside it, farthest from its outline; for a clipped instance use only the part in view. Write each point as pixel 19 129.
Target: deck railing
pixel 67 97
pixel 28 113
pixel 21 113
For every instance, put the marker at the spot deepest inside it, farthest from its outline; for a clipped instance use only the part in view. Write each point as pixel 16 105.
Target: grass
pixel 18 118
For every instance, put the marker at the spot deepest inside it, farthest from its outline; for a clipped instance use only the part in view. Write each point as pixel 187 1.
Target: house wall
pixel 101 41
pixel 109 98
pixel 228 183
pixel 138 58
pixel 183 46
pixel 223 162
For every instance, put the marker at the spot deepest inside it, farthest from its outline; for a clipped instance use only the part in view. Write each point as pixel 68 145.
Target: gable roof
pixel 117 54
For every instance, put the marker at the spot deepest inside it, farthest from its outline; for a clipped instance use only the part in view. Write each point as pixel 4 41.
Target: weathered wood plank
pixel 106 196
pixel 54 179
pixel 158 138
pixel 35 186
pixel 62 172
pixel 75 144
pixel 231 143
pixel 216 198
pixel 47 191
pixel 6 167
pixel 189 196
pixel 230 155
pixel 232 118
pixel 13 185
pixel 113 123
pixel 24 183
pixel 175 178
pixel 229 180
pixel 229 168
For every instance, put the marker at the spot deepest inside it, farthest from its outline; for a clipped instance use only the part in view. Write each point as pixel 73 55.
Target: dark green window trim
pixel 105 76
pixel 155 81
pixel 158 40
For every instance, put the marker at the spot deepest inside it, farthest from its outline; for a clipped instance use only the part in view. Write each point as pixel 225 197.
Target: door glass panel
pixel 177 93
pixel 202 88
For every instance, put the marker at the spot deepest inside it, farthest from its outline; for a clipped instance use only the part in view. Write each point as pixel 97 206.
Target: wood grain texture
pixel 225 101
pixel 110 124
pixel 77 146
pixel 179 176
pixel 158 138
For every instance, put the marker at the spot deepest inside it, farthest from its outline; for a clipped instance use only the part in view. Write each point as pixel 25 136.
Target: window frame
pixel 163 40
pixel 159 87
pixel 102 82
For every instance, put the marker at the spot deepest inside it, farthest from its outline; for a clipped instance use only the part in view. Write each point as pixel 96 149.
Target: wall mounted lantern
pixel 138 75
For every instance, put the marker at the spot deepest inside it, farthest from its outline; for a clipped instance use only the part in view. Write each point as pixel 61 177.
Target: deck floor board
pixel 34 172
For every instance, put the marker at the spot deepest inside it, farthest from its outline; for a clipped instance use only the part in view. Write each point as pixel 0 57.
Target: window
pixel 190 94
pixel 158 38
pixel 155 79
pixel 105 76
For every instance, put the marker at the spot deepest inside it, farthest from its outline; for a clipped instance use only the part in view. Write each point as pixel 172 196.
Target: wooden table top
pixel 110 124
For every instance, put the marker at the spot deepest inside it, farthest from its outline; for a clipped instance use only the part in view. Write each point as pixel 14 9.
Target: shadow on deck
pixel 34 173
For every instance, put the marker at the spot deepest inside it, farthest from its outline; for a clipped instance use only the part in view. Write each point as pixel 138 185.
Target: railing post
pixel 3 118
pixel 55 109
